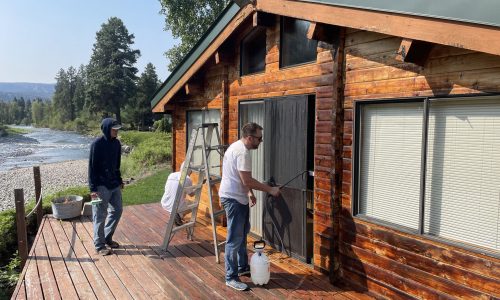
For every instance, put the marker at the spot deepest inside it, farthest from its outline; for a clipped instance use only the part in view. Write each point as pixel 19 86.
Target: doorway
pixel 287 151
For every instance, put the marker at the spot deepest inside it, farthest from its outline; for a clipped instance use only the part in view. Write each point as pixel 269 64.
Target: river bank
pixel 55 176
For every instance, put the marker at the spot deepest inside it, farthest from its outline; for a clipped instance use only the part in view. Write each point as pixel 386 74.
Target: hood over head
pixel 108 124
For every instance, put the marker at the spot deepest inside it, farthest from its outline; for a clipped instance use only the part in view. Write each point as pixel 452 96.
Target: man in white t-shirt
pixel 167 201
pixel 235 192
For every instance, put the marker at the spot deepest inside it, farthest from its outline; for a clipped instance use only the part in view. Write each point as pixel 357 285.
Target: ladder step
pixel 199 168
pixel 219 213
pixel 221 244
pixel 189 207
pixel 215 179
pixel 183 226
pixel 218 147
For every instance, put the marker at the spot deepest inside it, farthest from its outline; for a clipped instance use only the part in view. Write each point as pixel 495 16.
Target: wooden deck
pixel 63 265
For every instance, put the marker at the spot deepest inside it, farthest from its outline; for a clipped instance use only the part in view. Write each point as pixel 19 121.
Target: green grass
pixel 146 190
pixel 11 130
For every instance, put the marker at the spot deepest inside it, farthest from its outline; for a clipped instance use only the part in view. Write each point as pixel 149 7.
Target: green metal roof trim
pixel 485 12
pixel 225 17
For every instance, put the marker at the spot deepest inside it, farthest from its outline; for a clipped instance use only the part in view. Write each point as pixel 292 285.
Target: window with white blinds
pixel 391 139
pixel 198 117
pixel 462 189
pixel 463 171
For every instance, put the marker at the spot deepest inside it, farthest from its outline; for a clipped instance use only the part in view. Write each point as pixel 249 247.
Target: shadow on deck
pixel 63 265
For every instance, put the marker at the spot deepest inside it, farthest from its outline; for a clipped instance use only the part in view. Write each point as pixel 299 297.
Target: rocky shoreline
pixel 55 176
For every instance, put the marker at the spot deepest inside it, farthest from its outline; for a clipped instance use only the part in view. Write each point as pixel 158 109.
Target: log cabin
pixel 392 112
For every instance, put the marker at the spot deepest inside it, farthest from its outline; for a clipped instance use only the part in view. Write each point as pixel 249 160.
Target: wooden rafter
pixel 475 37
pixel 413 51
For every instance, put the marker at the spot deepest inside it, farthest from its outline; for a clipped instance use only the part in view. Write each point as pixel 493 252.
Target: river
pixel 41 146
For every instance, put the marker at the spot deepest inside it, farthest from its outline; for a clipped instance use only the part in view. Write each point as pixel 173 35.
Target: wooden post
pixel 38 191
pixel 22 238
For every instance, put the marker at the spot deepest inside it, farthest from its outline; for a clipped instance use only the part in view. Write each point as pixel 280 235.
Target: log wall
pixel 388 262
pixel 312 78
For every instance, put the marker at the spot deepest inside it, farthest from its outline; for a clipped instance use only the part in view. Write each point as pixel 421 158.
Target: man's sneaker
pixel 245 272
pixel 178 220
pixel 113 244
pixel 237 285
pixel 104 251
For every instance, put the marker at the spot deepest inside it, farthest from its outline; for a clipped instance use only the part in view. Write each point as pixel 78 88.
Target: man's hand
pixel 275 191
pixel 252 200
pixel 94 195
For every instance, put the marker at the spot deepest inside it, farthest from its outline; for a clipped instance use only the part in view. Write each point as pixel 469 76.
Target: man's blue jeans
pixel 110 207
pixel 238 226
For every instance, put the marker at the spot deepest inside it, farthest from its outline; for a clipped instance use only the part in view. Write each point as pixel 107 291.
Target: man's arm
pixel 251 183
pixel 91 171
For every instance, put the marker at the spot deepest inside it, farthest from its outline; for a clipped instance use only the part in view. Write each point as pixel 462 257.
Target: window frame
pixel 281 66
pixel 355 188
pixel 248 35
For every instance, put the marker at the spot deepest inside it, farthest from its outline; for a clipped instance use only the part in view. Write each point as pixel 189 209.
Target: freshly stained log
pixel 413 51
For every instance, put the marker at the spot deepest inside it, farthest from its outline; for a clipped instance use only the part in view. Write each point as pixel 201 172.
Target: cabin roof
pixel 480 12
pixel 483 12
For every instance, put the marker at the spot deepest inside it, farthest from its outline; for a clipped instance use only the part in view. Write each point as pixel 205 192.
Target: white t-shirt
pixel 237 158
pixel 167 201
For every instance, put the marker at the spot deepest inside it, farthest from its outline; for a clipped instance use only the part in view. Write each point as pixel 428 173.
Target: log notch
pixel 414 51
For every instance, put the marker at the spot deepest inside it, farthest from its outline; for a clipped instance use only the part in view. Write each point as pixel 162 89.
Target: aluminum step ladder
pixel 205 131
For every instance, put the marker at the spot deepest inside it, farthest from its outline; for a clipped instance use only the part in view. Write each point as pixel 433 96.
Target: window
pixel 296 48
pixel 198 117
pixel 435 171
pixel 253 52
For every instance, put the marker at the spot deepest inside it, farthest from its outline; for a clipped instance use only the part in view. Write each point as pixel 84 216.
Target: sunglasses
pixel 257 137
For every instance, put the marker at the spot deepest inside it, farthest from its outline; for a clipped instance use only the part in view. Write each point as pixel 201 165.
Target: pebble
pixel 55 177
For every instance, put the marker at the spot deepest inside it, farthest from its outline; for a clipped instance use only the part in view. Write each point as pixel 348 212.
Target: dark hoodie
pixel 104 160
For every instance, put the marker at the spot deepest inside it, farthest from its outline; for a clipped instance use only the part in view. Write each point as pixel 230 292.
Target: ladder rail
pixel 205 131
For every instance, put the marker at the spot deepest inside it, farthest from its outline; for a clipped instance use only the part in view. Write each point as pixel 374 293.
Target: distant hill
pixel 9 90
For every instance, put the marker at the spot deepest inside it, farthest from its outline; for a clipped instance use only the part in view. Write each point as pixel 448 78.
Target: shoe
pixel 113 244
pixel 104 251
pixel 245 272
pixel 178 220
pixel 237 285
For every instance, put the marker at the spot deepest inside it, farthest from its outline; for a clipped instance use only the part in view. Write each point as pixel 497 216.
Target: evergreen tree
pixel 139 110
pixel 111 73
pixel 61 100
pixel 188 20
pixel 79 92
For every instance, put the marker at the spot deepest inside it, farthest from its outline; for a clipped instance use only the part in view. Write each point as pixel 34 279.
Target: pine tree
pixel 139 110
pixel 111 73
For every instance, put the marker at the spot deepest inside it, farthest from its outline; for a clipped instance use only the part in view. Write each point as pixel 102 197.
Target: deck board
pixel 63 264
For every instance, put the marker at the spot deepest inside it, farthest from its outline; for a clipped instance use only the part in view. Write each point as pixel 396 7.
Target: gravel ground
pixel 55 177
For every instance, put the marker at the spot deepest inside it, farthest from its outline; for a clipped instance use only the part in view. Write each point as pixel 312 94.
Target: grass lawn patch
pixel 147 190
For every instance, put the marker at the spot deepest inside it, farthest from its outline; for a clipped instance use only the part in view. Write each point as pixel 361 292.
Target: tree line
pixel 107 86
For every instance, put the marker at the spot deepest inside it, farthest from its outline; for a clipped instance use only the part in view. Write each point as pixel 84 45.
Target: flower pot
pixel 67 207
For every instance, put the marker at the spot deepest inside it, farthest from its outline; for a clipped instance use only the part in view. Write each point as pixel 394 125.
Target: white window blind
pixel 254 111
pixel 391 139
pixel 198 117
pixel 463 171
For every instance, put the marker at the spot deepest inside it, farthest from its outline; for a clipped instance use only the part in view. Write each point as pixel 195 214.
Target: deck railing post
pixel 22 237
pixel 38 190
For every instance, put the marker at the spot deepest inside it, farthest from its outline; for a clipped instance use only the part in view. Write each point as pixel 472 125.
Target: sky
pixel 39 37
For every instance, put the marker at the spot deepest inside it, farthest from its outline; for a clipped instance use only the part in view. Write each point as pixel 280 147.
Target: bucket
pixel 67 207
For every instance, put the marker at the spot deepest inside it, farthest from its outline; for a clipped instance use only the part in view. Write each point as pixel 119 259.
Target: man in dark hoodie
pixel 105 182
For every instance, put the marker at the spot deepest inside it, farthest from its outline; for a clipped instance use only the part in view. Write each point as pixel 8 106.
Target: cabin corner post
pixel 224 128
pixel 337 154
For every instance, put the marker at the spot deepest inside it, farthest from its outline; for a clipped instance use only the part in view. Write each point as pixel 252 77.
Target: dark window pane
pixel 296 48
pixel 253 52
